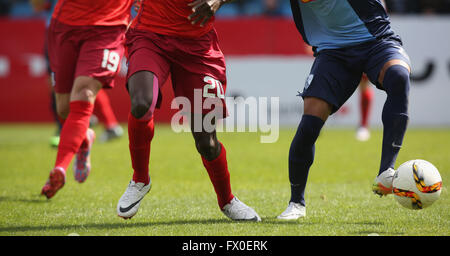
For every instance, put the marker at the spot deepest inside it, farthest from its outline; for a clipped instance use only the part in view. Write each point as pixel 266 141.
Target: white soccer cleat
pixel 362 134
pixel 383 183
pixel 237 210
pixel 293 212
pixel 131 200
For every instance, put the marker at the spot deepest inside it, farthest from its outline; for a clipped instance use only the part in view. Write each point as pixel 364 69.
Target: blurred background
pixel 265 58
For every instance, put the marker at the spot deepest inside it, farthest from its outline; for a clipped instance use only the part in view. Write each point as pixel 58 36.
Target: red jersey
pixel 93 12
pixel 169 17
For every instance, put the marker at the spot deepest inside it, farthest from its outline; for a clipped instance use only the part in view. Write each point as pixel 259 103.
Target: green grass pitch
pixel 182 201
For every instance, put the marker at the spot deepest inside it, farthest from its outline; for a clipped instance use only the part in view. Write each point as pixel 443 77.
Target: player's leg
pixel 329 85
pixel 188 78
pixel 143 91
pixel 103 110
pixel 62 101
pixel 85 69
pixel 75 128
pixel 97 65
pixel 366 98
pixel 77 107
pixel 54 140
pixel 82 137
pixel 148 70
pixel 394 79
pixel 301 153
pixel 63 58
pixel 213 154
pixel 57 176
pixel 388 67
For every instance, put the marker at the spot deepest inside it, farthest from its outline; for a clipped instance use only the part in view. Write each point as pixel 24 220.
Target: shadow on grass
pixel 374 233
pixel 371 227
pixel 310 222
pixel 125 225
pixel 30 199
pixel 110 225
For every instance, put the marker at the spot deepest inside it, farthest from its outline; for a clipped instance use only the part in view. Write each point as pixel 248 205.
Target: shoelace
pixel 238 207
pixel 131 188
pixel 290 207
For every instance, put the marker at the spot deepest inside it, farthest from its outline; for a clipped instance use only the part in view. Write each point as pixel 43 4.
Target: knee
pixel 307 133
pixel 85 89
pixel 143 90
pixel 140 105
pixel 317 107
pixel 396 80
pixel 208 147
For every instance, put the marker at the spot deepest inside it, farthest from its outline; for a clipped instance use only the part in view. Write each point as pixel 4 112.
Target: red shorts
pixel 196 66
pixel 94 51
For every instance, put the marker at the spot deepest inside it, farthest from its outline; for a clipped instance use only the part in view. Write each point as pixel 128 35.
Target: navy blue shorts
pixel 336 73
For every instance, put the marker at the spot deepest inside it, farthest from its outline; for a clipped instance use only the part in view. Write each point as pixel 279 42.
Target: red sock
pixel 220 177
pixel 366 103
pixel 140 135
pixel 73 132
pixel 104 111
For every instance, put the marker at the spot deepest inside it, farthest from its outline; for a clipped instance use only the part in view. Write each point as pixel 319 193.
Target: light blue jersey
pixel 334 24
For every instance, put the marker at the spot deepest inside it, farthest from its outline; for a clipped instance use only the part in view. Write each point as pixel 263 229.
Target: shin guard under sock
pixel 220 177
pixel 395 114
pixel 140 135
pixel 73 132
pixel 301 155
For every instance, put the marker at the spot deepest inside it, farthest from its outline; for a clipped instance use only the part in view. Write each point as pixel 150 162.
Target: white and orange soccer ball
pixel 417 184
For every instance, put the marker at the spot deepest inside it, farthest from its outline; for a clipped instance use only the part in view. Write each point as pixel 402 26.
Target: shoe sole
pixel 82 174
pixel 256 219
pixel 291 218
pixel 127 218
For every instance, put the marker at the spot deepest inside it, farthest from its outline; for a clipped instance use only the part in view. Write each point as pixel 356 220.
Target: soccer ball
pixel 417 184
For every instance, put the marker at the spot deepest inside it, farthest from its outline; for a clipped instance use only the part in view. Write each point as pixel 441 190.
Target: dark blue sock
pixel 301 155
pixel 395 114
